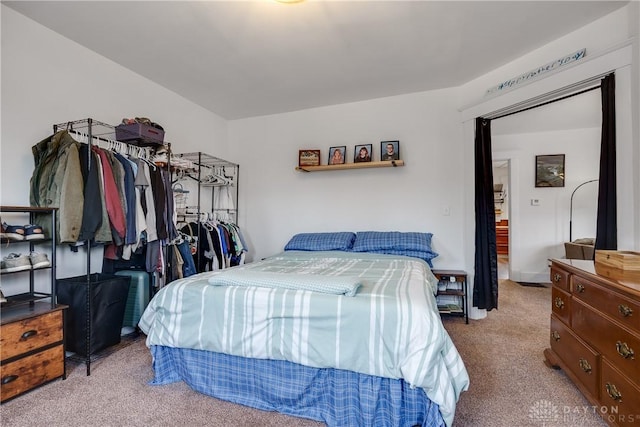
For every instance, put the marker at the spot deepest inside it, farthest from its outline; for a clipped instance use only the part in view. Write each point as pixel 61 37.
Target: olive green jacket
pixel 57 182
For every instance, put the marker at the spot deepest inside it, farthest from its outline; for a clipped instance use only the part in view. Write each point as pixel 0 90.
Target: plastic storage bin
pixel 138 296
pixel 109 297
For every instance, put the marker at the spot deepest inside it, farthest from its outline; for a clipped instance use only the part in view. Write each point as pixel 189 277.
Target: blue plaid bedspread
pixel 391 328
pixel 336 397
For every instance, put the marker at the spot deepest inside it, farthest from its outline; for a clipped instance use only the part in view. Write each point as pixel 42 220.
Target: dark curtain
pixel 485 288
pixel 606 223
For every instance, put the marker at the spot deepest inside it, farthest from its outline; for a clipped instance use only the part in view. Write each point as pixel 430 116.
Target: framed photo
pixel 309 158
pixel 390 150
pixel 336 155
pixel 550 170
pixel 362 153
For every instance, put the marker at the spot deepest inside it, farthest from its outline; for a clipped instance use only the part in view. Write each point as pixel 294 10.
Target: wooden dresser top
pixel 628 282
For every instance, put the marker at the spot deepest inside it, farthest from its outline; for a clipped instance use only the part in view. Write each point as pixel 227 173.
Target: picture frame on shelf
pixel 336 155
pixel 309 158
pixel 550 170
pixel 362 153
pixel 389 150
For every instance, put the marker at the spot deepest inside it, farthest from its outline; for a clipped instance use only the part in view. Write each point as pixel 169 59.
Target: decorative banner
pixel 567 59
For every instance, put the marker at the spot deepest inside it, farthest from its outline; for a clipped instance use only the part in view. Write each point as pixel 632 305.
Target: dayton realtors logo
pixel 545 413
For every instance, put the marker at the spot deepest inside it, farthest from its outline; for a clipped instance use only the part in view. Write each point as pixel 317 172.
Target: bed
pixel 339 327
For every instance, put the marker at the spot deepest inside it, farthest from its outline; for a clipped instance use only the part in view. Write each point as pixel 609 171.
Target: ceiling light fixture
pixel 289 1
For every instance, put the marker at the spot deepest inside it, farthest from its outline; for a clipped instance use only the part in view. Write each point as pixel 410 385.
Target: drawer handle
pixel 584 365
pixel 557 277
pixel 580 287
pixel 555 335
pixel 558 302
pixel 8 379
pixel 613 392
pixel 28 335
pixel 624 350
pixel 625 311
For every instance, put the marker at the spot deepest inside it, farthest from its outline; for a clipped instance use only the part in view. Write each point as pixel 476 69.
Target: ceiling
pixel 249 58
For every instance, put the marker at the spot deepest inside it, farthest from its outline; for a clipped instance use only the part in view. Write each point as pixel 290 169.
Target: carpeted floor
pixel 510 385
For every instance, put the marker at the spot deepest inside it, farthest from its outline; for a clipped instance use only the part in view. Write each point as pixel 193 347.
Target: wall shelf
pixel 381 164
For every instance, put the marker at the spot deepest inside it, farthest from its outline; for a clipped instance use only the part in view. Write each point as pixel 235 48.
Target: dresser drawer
pixel 613 341
pixel 620 397
pixel 561 304
pixel 30 334
pixel 29 372
pixel 576 355
pixel 617 306
pixel 560 279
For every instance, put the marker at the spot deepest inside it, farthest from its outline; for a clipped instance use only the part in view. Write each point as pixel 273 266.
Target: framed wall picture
pixel 309 158
pixel 390 150
pixel 550 170
pixel 362 153
pixel 336 155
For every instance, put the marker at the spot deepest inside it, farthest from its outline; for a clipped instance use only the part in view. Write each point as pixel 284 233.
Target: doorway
pixel 501 200
pixel 538 219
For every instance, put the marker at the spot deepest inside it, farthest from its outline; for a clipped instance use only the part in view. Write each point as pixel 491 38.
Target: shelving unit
pixel 32 295
pixel 32 329
pixel 364 165
pixel 452 293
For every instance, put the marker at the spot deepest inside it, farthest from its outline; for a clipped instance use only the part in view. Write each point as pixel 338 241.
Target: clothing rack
pixel 204 169
pixel 94 132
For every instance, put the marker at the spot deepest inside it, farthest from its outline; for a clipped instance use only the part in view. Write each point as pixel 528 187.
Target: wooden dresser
pixel 31 347
pixel 595 337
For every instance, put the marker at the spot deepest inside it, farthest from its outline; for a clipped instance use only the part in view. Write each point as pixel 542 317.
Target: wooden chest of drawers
pixel 595 337
pixel 31 347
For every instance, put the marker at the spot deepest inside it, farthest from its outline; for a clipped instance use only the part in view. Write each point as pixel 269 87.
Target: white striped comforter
pixel 390 328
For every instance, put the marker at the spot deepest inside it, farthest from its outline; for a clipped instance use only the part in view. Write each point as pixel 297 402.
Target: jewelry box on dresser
pixel 595 336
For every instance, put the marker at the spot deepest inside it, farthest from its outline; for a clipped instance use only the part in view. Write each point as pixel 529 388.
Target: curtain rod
pixel 547 102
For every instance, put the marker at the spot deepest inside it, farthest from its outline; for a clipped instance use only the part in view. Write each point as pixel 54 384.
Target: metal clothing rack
pixel 97 131
pixel 204 163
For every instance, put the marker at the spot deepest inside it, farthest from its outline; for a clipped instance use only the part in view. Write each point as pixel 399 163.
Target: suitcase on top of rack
pixel 138 297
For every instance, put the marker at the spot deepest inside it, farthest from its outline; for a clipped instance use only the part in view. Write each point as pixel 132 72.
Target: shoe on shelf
pixel 33 232
pixel 39 260
pixel 15 262
pixel 12 232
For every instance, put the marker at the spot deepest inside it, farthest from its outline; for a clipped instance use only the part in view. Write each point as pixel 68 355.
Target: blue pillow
pixel 337 241
pixel 368 241
pixel 427 256
pixel 396 243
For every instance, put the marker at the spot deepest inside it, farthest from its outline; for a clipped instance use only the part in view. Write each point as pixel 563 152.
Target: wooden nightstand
pixel 452 293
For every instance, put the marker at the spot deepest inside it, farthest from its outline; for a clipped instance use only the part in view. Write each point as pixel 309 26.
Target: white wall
pixel 48 79
pixel 279 201
pixel 538 232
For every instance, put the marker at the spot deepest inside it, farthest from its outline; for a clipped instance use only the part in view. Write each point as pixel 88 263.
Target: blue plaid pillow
pixel 427 256
pixel 413 244
pixel 338 241
pixel 369 241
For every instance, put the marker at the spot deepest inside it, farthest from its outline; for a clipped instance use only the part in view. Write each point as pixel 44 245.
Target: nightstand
pixel 452 293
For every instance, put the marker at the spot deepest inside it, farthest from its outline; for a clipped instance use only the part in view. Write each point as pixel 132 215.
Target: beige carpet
pixel 510 385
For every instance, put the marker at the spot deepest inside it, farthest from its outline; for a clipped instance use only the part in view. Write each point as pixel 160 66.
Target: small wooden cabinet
pixel 595 337
pixel 452 293
pixel 31 347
